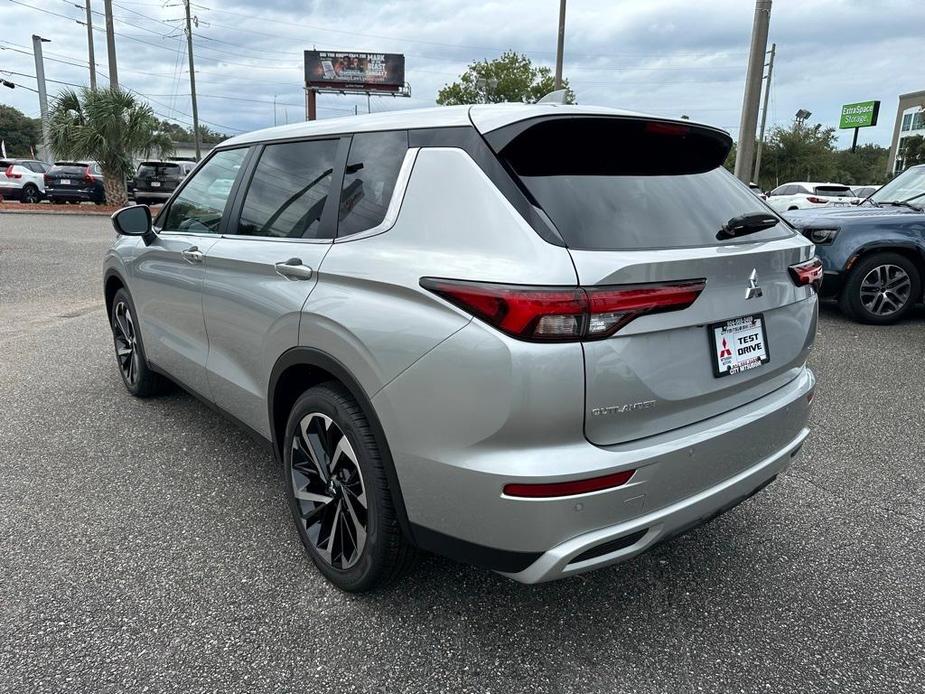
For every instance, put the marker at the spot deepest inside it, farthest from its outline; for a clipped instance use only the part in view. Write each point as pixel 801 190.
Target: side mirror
pixel 133 221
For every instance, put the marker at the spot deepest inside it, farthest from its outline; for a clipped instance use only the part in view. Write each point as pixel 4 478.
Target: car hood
pixel 841 216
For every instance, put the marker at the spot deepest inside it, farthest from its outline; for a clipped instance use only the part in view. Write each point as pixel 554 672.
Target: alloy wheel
pixel 30 195
pixel 328 487
pixel 123 328
pixel 885 289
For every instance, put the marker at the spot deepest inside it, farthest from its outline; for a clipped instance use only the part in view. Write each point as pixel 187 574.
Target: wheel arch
pixel 112 282
pixel 301 368
pixel 911 251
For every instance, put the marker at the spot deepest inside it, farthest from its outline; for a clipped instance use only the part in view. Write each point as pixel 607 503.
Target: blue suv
pixel 873 255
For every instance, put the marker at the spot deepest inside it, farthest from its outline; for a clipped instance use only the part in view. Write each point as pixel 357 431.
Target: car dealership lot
pixel 148 543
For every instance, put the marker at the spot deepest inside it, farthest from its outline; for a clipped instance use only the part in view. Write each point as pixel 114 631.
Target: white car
pixel 22 179
pixel 802 196
pixel 864 192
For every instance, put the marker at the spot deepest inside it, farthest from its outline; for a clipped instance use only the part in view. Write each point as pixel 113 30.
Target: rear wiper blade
pixel 747 224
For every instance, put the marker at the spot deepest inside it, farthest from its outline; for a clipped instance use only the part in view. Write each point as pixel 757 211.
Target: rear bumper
pixel 159 195
pixel 683 477
pixel 623 541
pixel 90 194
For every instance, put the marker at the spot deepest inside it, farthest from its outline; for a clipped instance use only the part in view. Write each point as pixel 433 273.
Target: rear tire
pixel 30 194
pixel 339 494
pixel 881 289
pixel 138 378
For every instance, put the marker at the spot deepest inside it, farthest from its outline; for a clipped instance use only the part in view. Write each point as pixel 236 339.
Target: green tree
pixel 865 166
pixel 19 132
pixel 510 78
pixel 109 126
pixel 912 150
pixel 799 153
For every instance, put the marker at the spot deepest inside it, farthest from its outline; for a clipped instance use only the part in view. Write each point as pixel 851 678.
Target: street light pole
pixel 745 154
pixel 111 46
pixel 37 42
pixel 560 48
pixel 90 46
pixel 764 112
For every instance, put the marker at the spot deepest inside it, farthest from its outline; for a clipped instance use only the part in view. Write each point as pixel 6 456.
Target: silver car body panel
pixel 466 409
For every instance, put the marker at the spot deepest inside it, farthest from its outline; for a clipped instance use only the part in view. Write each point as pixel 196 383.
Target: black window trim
pixel 243 183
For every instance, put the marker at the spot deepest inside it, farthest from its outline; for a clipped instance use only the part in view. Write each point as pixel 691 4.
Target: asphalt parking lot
pixel 145 545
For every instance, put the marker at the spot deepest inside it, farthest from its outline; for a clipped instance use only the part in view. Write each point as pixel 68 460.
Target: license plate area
pixel 738 345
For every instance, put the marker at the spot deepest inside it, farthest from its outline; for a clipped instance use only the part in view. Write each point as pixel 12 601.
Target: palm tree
pixel 109 126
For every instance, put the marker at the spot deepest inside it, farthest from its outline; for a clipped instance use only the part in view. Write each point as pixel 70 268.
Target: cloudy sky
pixel 668 57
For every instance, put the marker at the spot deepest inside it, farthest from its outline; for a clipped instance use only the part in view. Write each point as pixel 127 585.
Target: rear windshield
pixel 834 191
pixel 629 184
pixel 158 169
pixel 75 169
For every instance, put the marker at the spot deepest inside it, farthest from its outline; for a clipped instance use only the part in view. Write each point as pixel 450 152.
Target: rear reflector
pixel 559 314
pixel 554 489
pixel 808 273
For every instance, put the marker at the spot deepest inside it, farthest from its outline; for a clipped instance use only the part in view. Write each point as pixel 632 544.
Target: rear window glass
pixel 627 184
pixel 834 191
pixel 74 169
pixel 152 169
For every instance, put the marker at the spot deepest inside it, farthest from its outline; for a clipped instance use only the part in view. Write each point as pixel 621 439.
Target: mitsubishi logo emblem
pixel 754 289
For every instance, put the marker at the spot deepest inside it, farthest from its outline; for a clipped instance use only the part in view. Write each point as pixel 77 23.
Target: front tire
pixel 339 494
pixel 881 289
pixel 139 380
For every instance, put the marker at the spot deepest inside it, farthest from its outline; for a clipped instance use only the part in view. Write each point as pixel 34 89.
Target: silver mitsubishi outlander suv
pixel 539 339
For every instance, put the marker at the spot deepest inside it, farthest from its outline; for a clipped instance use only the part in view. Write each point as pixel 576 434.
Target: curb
pixel 58 214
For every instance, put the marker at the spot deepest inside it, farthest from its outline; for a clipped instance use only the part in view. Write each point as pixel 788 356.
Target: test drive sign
pixel 383 72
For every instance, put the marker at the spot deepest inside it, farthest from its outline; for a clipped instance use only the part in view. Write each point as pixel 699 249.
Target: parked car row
pixel 31 181
pixel 808 195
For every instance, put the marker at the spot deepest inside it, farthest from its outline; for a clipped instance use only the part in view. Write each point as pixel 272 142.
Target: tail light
pixel 585 486
pixel 88 179
pixel 808 273
pixel 563 314
pixel 816 200
pixel 47 179
pixel 10 174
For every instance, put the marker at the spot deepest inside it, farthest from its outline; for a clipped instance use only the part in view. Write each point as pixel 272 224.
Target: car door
pixel 168 273
pixel 259 275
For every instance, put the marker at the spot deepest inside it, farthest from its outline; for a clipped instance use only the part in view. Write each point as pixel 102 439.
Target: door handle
pixel 192 254
pixel 293 269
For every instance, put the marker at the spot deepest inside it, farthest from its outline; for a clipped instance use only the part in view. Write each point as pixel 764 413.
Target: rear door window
pixel 369 179
pixel 628 184
pixel 288 190
pixel 199 206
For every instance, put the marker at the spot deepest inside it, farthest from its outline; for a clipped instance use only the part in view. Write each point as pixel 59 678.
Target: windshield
pixel 907 185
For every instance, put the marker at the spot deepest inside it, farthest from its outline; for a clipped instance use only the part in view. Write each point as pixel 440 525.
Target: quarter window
pixel 369 179
pixel 288 190
pixel 199 206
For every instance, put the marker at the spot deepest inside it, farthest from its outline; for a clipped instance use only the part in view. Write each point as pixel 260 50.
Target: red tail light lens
pixel 545 491
pixel 809 273
pixel 87 177
pixel 47 179
pixel 562 314
pixel 10 174
pixel 818 201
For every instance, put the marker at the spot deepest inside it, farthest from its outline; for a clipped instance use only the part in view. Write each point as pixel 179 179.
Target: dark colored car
pixel 873 254
pixel 75 182
pixel 155 181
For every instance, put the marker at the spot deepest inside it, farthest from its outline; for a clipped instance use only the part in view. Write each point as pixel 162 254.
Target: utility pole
pixel 111 47
pixel 90 46
pixel 764 111
pixel 560 48
pixel 192 77
pixel 745 154
pixel 37 42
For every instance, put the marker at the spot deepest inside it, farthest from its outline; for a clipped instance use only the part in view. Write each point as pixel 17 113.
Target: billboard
pixel 860 115
pixel 372 72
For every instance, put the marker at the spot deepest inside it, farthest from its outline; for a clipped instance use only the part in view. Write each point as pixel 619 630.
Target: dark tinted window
pixel 369 180
pixel 71 169
pixel 288 190
pixel 153 169
pixel 619 184
pixel 35 166
pixel 834 191
pixel 198 207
